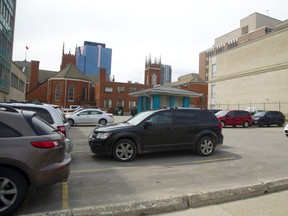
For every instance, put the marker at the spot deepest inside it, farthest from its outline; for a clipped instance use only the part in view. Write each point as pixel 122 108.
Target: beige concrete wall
pixel 254 72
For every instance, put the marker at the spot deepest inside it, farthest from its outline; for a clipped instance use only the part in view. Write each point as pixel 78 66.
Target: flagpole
pixel 26 48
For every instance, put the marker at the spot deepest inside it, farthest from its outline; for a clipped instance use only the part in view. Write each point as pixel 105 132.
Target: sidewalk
pixel 274 204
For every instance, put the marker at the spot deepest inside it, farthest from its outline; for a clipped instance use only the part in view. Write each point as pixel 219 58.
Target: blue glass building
pixel 92 56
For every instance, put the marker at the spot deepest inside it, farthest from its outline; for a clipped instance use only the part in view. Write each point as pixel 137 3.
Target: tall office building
pixel 7 22
pixel 92 56
pixel 166 74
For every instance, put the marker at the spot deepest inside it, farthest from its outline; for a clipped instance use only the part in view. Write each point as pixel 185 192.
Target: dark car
pixel 158 130
pixel 234 118
pixel 269 118
pixel 32 155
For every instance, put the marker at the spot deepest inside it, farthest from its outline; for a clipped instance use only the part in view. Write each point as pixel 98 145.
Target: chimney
pixel 34 74
pixel 102 75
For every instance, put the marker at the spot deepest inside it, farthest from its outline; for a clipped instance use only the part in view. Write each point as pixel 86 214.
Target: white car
pixel 89 116
pixel 286 130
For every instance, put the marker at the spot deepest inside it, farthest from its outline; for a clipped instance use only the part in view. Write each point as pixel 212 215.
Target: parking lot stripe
pixel 168 164
pixel 65 195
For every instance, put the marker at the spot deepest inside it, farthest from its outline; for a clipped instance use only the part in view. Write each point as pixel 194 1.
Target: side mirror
pixel 147 124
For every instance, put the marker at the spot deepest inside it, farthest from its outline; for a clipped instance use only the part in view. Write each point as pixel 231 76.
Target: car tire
pixel 245 124
pixel 205 146
pixel 223 124
pixel 14 188
pixel 102 121
pixel 281 123
pixel 70 122
pixel 124 150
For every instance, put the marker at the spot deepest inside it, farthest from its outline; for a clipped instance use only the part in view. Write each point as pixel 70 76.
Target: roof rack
pixel 7 108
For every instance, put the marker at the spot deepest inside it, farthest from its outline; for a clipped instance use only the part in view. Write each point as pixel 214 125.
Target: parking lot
pixel 248 155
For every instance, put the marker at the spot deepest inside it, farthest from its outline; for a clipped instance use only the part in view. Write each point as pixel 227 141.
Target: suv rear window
pixel 43 113
pixel 6 131
pixel 41 127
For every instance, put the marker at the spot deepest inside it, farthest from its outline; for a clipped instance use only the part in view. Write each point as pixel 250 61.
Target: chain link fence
pixel 264 106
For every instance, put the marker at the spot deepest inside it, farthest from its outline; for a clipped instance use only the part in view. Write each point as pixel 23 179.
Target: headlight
pixel 103 135
pixel 256 118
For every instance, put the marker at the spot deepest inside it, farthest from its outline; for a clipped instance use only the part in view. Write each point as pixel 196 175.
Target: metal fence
pixel 264 106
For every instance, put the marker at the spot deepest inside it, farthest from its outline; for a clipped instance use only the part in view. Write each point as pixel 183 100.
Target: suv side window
pixel 161 118
pixel 232 114
pixel 6 131
pixel 183 117
pixel 206 117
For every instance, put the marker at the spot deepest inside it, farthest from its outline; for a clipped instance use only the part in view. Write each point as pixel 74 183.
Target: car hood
pixel 114 127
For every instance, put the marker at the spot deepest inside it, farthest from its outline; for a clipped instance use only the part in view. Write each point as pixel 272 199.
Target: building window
pixel 121 89
pixel 107 103
pixel 132 104
pixel 108 89
pixel 21 85
pixel 213 70
pixel 14 81
pixel 213 91
pixel 57 92
pixel 120 103
pixel 154 79
pixel 71 93
pixel 133 89
pixel 83 94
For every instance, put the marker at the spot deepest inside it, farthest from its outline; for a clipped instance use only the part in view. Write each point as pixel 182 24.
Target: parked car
pixel 234 118
pixel 89 116
pixel 158 130
pixel 269 118
pixel 50 113
pixel 32 154
pixel 214 111
pixel 286 130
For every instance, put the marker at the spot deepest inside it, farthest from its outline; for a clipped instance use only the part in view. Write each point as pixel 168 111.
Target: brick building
pixel 70 86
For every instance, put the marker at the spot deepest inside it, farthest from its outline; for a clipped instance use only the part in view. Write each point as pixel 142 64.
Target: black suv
pixel 269 118
pixel 158 130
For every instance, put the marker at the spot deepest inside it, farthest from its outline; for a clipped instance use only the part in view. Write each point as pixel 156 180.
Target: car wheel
pixel 70 122
pixel 13 189
pixel 246 124
pixel 223 124
pixel 124 150
pixel 205 146
pixel 102 121
pixel 281 123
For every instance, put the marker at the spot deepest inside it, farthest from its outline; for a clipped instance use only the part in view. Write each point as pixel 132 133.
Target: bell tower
pixel 152 71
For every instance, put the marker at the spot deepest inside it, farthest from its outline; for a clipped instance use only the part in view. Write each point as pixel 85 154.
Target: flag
pixel 27 48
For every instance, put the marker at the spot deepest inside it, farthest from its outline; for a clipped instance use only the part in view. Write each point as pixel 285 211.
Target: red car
pixel 234 118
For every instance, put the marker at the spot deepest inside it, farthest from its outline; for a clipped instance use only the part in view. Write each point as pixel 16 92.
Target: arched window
pixel 57 92
pixel 71 93
pixel 83 93
pixel 154 79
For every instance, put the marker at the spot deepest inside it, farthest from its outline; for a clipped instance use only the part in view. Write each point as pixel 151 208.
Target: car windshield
pixel 221 113
pixel 139 117
pixel 259 114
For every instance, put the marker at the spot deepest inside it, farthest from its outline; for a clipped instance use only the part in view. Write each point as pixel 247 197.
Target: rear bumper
pixel 54 173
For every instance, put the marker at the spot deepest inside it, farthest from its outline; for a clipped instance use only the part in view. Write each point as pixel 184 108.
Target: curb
pixel 173 203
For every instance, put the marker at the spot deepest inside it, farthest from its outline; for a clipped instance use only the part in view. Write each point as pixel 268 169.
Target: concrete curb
pixel 174 203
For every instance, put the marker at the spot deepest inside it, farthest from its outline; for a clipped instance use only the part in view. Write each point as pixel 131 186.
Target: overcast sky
pixel 175 30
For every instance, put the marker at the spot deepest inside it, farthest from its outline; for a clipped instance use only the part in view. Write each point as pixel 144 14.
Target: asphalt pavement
pixel 263 198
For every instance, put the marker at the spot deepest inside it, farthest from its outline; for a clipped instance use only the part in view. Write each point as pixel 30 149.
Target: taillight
pixel 62 129
pixel 45 144
pixel 220 125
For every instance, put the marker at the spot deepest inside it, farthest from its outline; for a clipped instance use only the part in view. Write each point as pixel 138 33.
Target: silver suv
pixel 32 154
pixel 50 113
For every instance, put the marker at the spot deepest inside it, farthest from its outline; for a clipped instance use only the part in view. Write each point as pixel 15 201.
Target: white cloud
pixel 176 30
